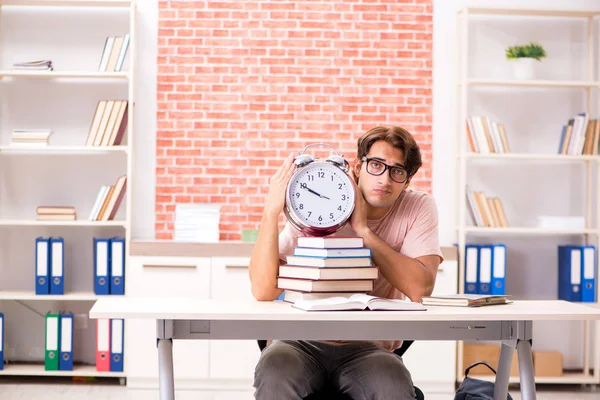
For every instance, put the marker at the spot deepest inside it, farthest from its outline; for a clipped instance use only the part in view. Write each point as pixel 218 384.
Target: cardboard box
pixel 473 353
pixel 547 363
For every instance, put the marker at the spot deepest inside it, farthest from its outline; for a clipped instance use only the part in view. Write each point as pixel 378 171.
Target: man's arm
pixel 415 277
pixel 264 262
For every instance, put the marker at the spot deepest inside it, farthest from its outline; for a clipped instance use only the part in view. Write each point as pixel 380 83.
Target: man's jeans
pixel 292 370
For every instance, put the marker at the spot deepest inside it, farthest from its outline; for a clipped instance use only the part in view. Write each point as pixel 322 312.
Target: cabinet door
pixel 165 277
pixel 432 363
pixel 232 359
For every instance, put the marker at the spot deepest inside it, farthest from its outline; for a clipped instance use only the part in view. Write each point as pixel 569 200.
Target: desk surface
pixel 250 310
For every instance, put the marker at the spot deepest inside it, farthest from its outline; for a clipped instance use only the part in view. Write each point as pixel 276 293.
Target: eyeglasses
pixel 376 167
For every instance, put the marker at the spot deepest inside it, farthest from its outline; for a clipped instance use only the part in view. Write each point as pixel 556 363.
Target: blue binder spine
pixel 485 269
pixel 116 345
pixel 588 277
pixel 1 341
pixel 102 266
pixel 57 265
pixel 42 265
pixel 65 362
pixel 498 269
pixel 569 273
pixel 471 268
pixel 117 266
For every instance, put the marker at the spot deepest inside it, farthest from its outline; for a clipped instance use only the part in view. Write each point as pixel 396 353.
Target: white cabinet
pixel 232 359
pixel 165 277
pixel 432 362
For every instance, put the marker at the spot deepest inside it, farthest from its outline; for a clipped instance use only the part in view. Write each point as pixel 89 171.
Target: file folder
pixel 117 266
pixel 485 269
pixel 588 280
pixel 101 266
pixel 116 345
pixel 66 342
pixel 57 266
pixel 498 269
pixel 103 345
pixel 471 268
pixel 42 265
pixel 52 342
pixel 1 341
pixel 569 273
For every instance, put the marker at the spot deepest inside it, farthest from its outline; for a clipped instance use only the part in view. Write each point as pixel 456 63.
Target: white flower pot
pixel 524 68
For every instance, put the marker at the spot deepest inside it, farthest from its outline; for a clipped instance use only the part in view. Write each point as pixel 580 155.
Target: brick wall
pixel 243 83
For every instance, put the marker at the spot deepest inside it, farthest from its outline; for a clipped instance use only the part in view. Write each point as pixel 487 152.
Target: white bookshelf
pixel 66 172
pixel 467 86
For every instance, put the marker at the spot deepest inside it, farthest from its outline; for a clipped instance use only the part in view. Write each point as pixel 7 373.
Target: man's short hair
pixel 398 138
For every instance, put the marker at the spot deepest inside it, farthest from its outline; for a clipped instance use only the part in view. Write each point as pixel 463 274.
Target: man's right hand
pixel 277 186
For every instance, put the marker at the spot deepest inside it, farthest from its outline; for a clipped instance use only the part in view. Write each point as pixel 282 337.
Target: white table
pixel 191 319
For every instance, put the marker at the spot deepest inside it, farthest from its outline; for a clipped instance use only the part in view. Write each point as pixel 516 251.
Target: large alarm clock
pixel 320 195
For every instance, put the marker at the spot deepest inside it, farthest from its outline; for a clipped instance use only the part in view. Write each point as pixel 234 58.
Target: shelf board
pixel 528 231
pixel 38 370
pixel 67 3
pixel 529 12
pixel 63 74
pixel 63 149
pixel 531 157
pixel 82 222
pixel 30 295
pixel 567 378
pixel 532 83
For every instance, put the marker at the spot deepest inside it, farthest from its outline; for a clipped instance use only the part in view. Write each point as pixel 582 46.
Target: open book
pixel 466 300
pixel 358 301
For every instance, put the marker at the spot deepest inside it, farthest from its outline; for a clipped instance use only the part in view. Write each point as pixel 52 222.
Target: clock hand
pixel 315 193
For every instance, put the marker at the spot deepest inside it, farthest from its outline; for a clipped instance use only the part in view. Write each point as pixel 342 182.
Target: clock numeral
pixel 343 197
pixel 339 208
pixel 303 185
pixel 320 218
pixel 330 215
pixel 310 212
pixel 301 206
pixel 297 194
pixel 331 178
pixel 311 177
pixel 339 185
pixel 321 174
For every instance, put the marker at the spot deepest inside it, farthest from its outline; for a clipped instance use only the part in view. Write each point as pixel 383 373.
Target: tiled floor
pixel 39 390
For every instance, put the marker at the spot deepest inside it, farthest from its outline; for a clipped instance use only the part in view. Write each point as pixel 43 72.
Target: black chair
pixel 329 393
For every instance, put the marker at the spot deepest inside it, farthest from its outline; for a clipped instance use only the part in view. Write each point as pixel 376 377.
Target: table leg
pixel 164 342
pixel 503 371
pixel 526 374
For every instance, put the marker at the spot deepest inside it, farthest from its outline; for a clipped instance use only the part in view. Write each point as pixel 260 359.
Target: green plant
pixel 531 50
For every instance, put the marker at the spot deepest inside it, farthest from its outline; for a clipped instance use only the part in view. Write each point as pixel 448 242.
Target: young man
pixel 401 228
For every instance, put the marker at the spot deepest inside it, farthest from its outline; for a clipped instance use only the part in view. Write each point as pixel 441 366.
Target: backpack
pixel 476 389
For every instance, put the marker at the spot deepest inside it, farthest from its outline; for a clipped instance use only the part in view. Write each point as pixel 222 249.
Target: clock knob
pixel 338 160
pixel 303 160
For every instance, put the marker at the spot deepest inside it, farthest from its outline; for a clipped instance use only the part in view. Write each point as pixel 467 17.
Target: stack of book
pixel 323 267
pixel 486 211
pixel 113 55
pixel 108 200
pixel 486 135
pixel 56 213
pixel 40 65
pixel 580 136
pixel 30 137
pixel 108 123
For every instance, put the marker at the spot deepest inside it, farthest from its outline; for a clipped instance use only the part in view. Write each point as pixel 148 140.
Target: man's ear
pixel 356 170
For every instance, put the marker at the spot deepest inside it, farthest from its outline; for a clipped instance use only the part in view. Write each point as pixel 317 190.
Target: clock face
pixel 321 195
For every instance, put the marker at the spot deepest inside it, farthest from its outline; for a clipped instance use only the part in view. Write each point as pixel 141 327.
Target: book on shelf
pixel 466 300
pixel 108 123
pixel 358 302
pixel 486 211
pixel 38 65
pixel 108 200
pixel 56 213
pixel 113 55
pixel 30 138
pixel 486 136
pixel 580 136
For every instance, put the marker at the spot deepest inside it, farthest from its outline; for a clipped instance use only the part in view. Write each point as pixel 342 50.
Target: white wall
pixel 533 120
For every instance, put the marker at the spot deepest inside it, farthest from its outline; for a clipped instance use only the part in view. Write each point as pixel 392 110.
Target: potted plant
pixel 523 59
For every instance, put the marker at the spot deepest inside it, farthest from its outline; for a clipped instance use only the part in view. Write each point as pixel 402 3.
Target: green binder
pixel 52 342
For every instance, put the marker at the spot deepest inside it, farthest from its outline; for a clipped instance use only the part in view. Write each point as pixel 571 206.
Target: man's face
pixel 381 191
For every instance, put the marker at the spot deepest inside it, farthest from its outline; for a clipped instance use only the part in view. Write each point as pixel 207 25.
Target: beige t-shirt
pixel 410 227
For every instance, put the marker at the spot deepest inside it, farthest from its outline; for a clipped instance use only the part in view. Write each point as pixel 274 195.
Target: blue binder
pixel 117 266
pixel 117 329
pixel 498 286
pixel 485 269
pixel 588 276
pixel 101 266
pixel 57 265
pixel 65 362
pixel 42 265
pixel 569 273
pixel 471 269
pixel 1 341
